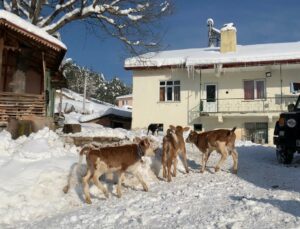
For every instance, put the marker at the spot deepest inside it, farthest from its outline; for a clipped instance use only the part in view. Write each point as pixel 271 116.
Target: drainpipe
pixel 200 77
pixel 280 73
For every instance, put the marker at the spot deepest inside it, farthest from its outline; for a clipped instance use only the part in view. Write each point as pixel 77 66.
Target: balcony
pixel 17 105
pixel 233 106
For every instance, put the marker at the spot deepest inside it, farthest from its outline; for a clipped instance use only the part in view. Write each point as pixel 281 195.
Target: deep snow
pixel 34 169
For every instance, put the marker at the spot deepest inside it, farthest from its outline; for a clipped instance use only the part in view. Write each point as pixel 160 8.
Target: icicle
pixel 191 71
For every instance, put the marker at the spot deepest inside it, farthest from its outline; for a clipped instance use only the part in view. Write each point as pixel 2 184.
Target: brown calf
pixel 221 140
pixel 173 143
pixel 120 159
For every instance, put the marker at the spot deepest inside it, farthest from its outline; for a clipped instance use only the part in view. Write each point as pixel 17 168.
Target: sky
pixel 257 21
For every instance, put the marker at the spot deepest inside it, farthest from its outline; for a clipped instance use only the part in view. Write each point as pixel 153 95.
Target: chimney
pixel 228 38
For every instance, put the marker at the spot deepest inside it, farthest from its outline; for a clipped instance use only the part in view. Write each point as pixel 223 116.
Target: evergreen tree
pixel 97 86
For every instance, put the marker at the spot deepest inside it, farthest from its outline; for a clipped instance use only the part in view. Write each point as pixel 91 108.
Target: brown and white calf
pixel 173 143
pixel 119 159
pixel 222 140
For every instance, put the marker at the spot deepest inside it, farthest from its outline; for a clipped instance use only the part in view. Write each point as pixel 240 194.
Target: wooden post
pixel 60 102
pixel 1 58
pixel 45 83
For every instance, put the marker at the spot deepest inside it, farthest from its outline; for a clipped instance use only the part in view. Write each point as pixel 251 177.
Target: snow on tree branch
pixel 132 22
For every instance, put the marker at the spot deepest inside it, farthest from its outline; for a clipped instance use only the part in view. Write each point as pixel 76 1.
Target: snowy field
pixel 34 169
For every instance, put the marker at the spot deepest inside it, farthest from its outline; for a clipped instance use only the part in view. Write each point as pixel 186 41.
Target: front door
pixel 210 103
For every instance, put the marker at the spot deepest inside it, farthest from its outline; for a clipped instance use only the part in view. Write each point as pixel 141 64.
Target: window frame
pixel 169 86
pixel 255 92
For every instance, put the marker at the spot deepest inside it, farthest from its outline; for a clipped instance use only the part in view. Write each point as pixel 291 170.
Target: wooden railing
pixel 18 105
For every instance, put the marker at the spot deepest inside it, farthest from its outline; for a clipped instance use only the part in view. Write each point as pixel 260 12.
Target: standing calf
pixel 120 159
pixel 221 140
pixel 173 143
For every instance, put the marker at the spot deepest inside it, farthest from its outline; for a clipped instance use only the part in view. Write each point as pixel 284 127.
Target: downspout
pixel 200 104
pixel 280 75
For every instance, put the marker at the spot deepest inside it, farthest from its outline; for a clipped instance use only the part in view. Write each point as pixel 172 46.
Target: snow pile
pixel 262 195
pixel 34 169
pixel 31 170
pixel 228 26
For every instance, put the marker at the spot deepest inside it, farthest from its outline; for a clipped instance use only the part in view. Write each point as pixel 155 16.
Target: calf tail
pixel 230 132
pixel 76 167
pixel 84 151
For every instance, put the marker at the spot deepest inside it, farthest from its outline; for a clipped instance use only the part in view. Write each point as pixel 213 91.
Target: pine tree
pixel 97 86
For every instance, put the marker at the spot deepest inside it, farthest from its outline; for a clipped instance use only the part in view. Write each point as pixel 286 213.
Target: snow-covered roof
pixel 30 28
pixel 94 108
pixel 212 55
pixel 124 96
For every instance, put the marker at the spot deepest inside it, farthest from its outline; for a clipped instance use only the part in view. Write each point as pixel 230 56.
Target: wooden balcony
pixel 18 105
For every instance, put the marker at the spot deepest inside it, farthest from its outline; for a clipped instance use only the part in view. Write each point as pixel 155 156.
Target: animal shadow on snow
pixel 258 165
pixel 289 206
pixel 156 165
pixel 75 181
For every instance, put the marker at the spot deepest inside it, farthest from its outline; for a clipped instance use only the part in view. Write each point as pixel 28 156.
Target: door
pixel 210 103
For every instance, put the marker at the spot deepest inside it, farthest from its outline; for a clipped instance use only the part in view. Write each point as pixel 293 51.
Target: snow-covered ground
pixel 34 169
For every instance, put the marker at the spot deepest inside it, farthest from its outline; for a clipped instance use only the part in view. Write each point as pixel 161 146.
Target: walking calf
pixel 173 143
pixel 221 140
pixel 120 159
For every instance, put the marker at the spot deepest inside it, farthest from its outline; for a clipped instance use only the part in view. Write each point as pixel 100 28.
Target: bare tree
pixel 134 22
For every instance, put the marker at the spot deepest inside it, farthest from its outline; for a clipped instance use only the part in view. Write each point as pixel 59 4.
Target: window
pixel 257 132
pixel 254 89
pixel 197 127
pixel 169 91
pixel 295 87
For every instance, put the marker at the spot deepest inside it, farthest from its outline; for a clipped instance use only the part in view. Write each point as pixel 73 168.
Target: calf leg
pixel 224 154
pixel 101 168
pixel 164 161
pixel 169 165
pixel 120 179
pixel 234 155
pixel 174 165
pixel 99 185
pixel 205 157
pixel 141 180
pixel 184 160
pixel 85 184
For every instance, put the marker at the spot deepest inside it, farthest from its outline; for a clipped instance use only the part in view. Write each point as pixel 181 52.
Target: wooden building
pixel 29 68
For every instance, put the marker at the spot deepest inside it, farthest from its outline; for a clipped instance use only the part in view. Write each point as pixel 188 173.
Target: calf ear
pixel 137 140
pixel 172 127
pixel 186 128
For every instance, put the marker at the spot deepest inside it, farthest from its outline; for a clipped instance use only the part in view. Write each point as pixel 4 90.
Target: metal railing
pixel 243 106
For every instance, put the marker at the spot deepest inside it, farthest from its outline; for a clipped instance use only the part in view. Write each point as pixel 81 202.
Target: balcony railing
pixel 242 106
pixel 17 105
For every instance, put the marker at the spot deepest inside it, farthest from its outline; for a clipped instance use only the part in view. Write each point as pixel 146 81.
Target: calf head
pixel 192 138
pixel 146 147
pixel 179 129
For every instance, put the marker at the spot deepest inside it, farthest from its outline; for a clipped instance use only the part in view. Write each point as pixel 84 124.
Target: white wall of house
pixel 230 91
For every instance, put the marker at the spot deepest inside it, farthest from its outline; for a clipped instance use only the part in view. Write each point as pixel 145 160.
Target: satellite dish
pixel 210 22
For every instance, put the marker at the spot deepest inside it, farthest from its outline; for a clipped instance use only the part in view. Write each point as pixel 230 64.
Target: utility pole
pixel 84 93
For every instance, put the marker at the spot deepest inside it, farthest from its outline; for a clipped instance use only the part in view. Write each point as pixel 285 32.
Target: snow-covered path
pixel 262 195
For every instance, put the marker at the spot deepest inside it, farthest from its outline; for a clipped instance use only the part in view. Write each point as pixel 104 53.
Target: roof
pixel 124 96
pixel 94 107
pixel 20 25
pixel 211 55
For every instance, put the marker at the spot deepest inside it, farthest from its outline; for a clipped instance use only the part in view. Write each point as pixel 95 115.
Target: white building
pixel 217 87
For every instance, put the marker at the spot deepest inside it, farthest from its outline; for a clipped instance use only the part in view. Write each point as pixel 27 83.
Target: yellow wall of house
pixel 146 105
pixel 148 109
